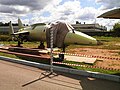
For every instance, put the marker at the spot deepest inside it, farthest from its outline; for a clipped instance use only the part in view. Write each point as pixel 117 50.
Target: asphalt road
pixel 20 77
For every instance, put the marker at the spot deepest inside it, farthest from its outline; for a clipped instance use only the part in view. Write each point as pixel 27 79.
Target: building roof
pixel 89 27
pixel 113 14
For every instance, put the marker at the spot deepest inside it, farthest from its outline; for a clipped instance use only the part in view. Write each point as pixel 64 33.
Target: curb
pixel 62 69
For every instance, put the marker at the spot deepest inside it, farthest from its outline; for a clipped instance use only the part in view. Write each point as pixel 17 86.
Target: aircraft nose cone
pixel 80 38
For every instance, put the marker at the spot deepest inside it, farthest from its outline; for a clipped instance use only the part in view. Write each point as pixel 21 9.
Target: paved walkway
pixel 20 77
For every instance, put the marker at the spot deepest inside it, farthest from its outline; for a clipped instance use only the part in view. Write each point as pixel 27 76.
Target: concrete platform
pixel 38 51
pixel 80 59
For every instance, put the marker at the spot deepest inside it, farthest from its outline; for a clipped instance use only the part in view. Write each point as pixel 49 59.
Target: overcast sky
pixel 33 11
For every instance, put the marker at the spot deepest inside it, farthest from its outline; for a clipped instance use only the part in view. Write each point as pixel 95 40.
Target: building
pixel 5 29
pixel 89 28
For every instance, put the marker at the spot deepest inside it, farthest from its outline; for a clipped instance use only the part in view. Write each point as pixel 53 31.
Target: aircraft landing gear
pixel 19 44
pixel 42 46
pixel 20 41
pixel 61 56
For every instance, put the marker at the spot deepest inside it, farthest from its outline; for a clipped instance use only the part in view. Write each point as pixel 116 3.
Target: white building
pixel 89 27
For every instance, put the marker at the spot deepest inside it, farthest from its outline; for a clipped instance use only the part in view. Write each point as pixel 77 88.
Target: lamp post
pixel 51 50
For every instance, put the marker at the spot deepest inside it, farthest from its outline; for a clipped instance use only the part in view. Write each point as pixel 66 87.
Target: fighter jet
pixel 63 34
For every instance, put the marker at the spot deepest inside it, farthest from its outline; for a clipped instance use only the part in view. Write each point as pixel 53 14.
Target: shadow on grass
pixel 118 74
pixel 42 60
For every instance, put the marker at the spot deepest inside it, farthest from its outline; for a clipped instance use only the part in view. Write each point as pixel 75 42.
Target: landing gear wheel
pixel 42 46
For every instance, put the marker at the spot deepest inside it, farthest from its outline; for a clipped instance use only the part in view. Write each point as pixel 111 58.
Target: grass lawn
pixel 111 43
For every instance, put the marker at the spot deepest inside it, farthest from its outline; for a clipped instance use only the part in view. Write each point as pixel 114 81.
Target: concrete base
pixel 80 59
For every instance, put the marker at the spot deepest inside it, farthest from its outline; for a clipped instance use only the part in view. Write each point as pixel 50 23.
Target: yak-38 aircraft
pixel 63 33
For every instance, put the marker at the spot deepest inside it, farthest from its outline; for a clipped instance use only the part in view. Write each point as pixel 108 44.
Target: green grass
pixel 117 39
pixel 98 70
pixel 8 55
pixel 4 37
pixel 111 43
pixel 25 58
pixel 91 69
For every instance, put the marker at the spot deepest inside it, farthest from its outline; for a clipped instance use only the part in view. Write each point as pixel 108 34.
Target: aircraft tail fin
pixel 11 31
pixel 20 25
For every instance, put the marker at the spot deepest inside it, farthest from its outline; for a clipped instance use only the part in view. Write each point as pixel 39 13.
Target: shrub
pixel 4 37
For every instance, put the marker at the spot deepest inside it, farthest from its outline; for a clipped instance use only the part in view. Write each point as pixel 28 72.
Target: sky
pixel 45 11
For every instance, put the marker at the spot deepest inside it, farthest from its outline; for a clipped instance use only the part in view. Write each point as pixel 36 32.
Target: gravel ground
pixel 107 63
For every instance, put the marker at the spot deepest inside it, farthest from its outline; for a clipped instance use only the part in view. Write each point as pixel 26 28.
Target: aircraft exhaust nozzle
pixel 11 31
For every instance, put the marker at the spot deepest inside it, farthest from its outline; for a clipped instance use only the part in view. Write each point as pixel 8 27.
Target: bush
pixel 4 37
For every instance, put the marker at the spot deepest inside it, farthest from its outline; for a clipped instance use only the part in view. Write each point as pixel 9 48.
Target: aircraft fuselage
pixel 39 34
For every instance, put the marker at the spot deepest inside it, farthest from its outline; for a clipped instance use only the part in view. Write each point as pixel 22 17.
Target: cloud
pixel 88 13
pixel 6 18
pixel 13 9
pixel 33 11
pixel 22 6
pixel 109 4
pixel 70 11
pixel 57 11
pixel 107 22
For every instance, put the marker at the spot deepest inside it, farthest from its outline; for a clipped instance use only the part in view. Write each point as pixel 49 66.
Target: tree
pixel 116 29
pixel 77 22
pixel 1 23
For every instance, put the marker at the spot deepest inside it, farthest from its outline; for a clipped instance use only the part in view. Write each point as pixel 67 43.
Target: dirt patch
pixel 100 52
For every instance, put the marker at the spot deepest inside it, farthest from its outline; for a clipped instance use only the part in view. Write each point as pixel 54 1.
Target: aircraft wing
pixel 20 32
pixel 37 24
